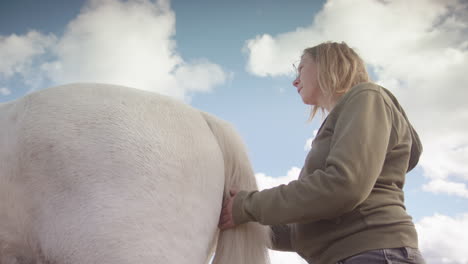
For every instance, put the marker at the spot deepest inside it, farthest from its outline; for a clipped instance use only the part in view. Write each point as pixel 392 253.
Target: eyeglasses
pixel 296 70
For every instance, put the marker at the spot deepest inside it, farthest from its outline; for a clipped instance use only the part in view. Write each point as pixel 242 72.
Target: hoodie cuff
pixel 239 214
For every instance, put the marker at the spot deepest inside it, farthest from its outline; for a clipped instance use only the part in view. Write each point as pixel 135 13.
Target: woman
pixel 347 204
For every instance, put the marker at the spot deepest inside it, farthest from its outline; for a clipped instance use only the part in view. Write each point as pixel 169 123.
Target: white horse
pixel 95 174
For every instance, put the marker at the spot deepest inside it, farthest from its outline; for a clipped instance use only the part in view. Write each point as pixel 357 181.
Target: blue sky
pixel 238 57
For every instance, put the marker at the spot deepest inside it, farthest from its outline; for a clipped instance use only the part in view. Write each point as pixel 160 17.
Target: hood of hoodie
pixel 416 146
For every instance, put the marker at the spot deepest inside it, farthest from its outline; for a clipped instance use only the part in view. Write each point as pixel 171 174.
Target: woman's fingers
pixel 225 202
pixel 233 192
pixel 225 225
pixel 224 214
pixel 225 218
pixel 225 222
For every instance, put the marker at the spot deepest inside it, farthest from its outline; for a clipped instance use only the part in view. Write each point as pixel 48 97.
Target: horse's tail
pixel 246 243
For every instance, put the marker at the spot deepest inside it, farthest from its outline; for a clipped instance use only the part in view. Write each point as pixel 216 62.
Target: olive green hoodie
pixel 348 197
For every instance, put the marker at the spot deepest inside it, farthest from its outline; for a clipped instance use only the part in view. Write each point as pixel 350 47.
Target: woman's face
pixel 306 81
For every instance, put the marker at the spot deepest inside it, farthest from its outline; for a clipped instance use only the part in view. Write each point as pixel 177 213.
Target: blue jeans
pixel 402 255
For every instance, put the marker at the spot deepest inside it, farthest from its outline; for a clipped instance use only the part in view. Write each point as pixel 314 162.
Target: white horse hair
pixel 95 174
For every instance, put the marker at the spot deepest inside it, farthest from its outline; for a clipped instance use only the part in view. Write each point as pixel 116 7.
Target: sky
pixel 234 59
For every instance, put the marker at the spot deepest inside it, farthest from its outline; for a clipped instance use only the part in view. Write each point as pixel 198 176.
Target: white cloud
pixel 19 55
pixel 271 57
pixel 200 76
pixel 308 144
pixel 121 42
pixel 266 182
pixel 443 239
pixel 417 49
pixel 17 52
pixel 5 91
pixel 447 187
pixel 279 257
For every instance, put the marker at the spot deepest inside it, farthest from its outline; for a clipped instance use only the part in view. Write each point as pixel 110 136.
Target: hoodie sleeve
pixel 281 239
pixel 357 152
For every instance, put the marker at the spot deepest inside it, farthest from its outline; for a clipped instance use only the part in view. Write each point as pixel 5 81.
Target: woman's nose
pixel 296 82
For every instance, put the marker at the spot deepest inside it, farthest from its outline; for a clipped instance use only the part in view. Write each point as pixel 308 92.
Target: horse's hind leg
pixel 21 260
pixel 15 254
pixel 15 236
pixel 17 242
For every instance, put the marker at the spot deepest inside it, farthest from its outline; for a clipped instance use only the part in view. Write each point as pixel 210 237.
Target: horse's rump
pixel 106 174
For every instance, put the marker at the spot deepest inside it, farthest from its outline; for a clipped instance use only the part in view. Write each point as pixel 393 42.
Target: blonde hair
pixel 339 68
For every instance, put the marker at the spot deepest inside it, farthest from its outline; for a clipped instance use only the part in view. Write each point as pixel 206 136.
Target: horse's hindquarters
pixel 128 178
pixel 15 225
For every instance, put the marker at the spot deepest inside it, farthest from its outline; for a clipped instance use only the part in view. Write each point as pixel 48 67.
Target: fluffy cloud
pixel 308 144
pixel 20 55
pixel 279 257
pixel 417 49
pixel 17 52
pixel 5 91
pixel 200 76
pixel 451 188
pixel 443 239
pixel 266 182
pixel 122 42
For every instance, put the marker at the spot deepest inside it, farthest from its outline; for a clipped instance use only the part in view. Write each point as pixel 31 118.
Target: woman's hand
pixel 226 220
